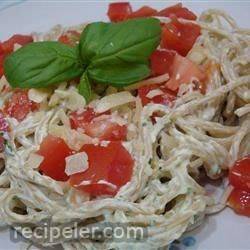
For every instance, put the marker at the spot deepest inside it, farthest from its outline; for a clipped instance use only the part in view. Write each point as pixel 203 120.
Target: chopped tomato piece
pixel 178 11
pixel 98 125
pixel 179 36
pixel 185 71
pixel 161 61
pixel 19 105
pixel 54 150
pixel 119 11
pixel 144 11
pixel 7 47
pixel 70 37
pixel 80 119
pixel 239 175
pixel 239 201
pixel 110 167
pixel 165 96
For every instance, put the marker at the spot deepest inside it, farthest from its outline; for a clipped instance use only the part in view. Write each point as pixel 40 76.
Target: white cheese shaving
pixel 76 163
pixel 34 161
pixel 75 101
pixel 17 46
pixel 153 93
pixel 114 100
pixel 84 183
pixel 153 80
pixel 38 95
pixel 107 183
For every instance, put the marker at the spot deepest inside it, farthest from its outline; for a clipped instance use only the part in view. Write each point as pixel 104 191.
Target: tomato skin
pixel 166 98
pixel 239 201
pixel 112 164
pixel 19 105
pixel 144 11
pixel 178 11
pixel 98 126
pixel 239 175
pixel 183 71
pixel 161 61
pixel 54 150
pixel 119 11
pixel 179 36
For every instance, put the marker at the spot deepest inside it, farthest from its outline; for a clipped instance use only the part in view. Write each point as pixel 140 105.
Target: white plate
pixel 223 231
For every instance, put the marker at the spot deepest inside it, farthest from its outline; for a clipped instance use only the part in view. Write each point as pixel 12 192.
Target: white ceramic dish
pixel 223 231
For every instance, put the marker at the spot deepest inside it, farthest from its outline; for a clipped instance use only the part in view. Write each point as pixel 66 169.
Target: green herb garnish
pixel 116 54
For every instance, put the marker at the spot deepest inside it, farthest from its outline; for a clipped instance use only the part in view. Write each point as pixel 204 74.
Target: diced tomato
pixel 166 98
pixel 144 11
pixel 7 47
pixel 161 61
pixel 98 125
pixel 239 175
pixel 110 167
pixel 178 11
pixel 19 105
pixel 179 36
pixel 185 71
pixel 80 119
pixel 119 11
pixel 106 130
pixel 54 150
pixel 70 37
pixel 239 201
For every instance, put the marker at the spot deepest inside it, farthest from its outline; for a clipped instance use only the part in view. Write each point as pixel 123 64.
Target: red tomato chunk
pixel 119 11
pixel 178 11
pixel 54 150
pixel 179 36
pixel 19 105
pixel 7 47
pixel 185 71
pixel 98 126
pixel 166 97
pixel 144 11
pixel 161 61
pixel 110 167
pixel 239 178
pixel 239 201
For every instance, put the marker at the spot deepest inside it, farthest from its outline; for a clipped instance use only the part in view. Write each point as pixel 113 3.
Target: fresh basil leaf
pixel 41 64
pixel 118 75
pixel 84 87
pixel 116 45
